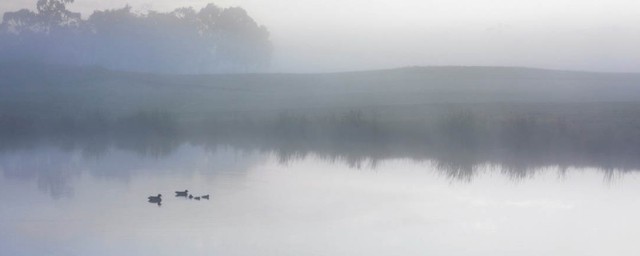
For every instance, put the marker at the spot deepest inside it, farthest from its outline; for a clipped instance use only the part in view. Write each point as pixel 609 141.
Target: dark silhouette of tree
pixel 54 13
pixel 182 41
pixel 51 15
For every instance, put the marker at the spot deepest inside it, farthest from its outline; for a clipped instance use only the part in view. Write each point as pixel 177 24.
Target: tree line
pixel 186 40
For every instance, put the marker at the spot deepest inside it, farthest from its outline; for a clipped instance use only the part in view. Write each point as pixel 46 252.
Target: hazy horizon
pixel 334 36
pixel 297 127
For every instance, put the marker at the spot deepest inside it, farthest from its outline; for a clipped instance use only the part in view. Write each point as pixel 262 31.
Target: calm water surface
pixel 66 202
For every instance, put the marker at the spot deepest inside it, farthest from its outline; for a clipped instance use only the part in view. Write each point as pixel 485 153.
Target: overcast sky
pixel 340 35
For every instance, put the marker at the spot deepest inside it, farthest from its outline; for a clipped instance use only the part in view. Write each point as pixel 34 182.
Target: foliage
pixel 182 41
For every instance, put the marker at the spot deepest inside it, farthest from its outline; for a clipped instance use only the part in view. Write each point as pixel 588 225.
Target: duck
pixel 190 196
pixel 205 196
pixel 182 193
pixel 155 199
pixel 197 198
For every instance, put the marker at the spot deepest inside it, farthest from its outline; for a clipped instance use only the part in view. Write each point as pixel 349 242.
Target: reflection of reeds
pixel 458 141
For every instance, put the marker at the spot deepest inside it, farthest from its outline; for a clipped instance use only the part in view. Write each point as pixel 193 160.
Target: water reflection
pixel 54 161
pixel 287 193
pixel 261 206
pixel 54 169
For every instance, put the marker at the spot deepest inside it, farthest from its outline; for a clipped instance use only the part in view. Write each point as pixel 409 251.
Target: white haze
pixel 341 35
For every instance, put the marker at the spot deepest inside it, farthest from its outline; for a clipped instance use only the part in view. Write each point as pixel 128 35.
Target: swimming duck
pixel 155 199
pixel 205 197
pixel 190 196
pixel 182 193
pixel 197 198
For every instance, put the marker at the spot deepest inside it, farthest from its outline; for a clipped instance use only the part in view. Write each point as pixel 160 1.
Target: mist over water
pixel 445 160
pixel 299 127
pixel 79 204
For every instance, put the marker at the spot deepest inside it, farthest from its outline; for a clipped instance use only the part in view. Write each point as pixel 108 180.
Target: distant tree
pixel 51 14
pixel 182 41
pixel 43 36
pixel 54 14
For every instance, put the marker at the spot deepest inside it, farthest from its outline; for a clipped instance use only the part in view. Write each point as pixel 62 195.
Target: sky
pixel 344 35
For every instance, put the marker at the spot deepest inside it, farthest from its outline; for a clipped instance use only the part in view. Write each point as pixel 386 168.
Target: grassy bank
pixel 520 119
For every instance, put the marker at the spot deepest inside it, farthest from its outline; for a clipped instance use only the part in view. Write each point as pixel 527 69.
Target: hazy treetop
pixel 185 40
pixel 345 35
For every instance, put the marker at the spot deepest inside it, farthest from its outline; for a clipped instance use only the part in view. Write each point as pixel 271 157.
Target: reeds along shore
pixel 457 140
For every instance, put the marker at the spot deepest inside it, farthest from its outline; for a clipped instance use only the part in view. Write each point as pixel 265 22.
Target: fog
pixel 332 35
pixel 319 127
pixel 461 118
pixel 186 40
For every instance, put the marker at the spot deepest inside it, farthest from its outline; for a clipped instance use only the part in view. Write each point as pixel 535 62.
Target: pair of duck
pixel 185 193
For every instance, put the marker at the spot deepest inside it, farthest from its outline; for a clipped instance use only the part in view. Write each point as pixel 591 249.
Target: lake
pixel 67 201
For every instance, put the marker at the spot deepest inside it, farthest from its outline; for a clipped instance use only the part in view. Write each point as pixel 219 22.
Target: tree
pixel 54 14
pixel 182 41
